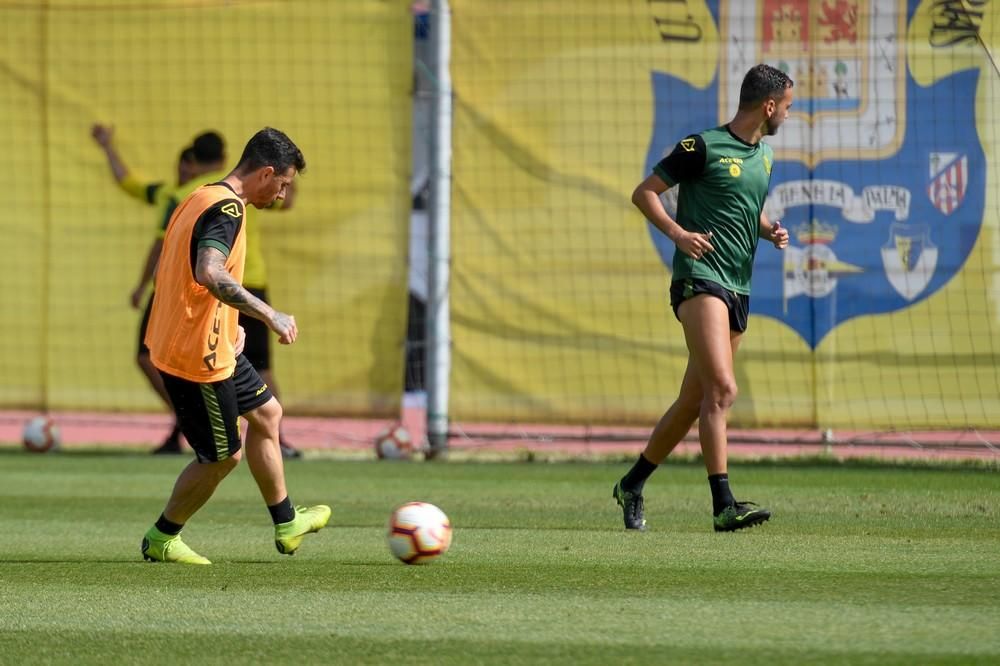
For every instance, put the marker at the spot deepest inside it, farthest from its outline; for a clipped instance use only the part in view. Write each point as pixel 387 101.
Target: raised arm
pixel 104 136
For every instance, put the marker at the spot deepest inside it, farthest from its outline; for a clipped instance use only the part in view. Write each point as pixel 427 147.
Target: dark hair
pixel 273 148
pixel 209 147
pixel 761 83
pixel 187 155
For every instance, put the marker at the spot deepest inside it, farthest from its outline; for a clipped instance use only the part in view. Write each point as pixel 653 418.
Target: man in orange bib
pixel 196 343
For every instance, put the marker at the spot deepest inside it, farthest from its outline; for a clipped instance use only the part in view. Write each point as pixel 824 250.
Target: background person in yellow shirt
pixel 200 164
pixel 163 196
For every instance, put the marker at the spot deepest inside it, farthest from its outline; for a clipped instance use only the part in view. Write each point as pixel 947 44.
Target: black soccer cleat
pixel 737 516
pixel 631 504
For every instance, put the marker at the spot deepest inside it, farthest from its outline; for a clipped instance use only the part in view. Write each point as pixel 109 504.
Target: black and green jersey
pixel 723 183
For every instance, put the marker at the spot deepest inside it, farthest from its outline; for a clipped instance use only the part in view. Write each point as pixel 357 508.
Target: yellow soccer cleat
pixel 308 519
pixel 160 547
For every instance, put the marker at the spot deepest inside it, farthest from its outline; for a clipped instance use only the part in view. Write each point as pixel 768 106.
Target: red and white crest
pixel 949 179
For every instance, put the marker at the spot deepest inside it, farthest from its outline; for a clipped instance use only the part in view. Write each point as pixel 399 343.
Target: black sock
pixel 721 495
pixel 283 511
pixel 636 477
pixel 168 527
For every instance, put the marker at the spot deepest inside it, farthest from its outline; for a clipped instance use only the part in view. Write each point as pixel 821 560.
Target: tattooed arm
pixel 211 273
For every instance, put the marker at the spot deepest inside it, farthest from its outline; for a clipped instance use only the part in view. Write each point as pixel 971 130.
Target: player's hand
pixel 135 298
pixel 779 235
pixel 695 245
pixel 284 325
pixel 102 134
pixel 241 340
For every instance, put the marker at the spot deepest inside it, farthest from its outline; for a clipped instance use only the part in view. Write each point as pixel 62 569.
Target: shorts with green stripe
pixel 209 414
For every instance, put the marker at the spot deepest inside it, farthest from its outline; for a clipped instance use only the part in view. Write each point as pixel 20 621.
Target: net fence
pixel 882 315
pixel 336 77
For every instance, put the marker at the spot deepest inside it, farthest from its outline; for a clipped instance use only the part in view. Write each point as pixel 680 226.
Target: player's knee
pixel 273 411
pixel 223 467
pixel 267 416
pixel 721 396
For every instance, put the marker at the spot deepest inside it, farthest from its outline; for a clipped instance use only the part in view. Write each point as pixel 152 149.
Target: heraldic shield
pixel 879 180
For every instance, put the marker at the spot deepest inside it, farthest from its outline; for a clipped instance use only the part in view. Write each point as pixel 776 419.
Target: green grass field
pixel 858 566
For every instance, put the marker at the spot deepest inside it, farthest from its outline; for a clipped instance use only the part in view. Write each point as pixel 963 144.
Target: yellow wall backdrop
pixel 334 76
pixel 23 225
pixel 559 297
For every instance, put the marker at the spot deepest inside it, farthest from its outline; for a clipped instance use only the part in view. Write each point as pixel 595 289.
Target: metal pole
pixel 438 348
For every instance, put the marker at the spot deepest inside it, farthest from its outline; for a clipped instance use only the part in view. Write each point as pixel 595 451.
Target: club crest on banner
pixel 849 169
pixel 949 177
pixel 909 258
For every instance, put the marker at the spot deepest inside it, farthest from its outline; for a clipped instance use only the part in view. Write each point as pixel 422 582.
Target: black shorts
pixel 142 349
pixel 738 304
pixel 208 414
pixel 258 343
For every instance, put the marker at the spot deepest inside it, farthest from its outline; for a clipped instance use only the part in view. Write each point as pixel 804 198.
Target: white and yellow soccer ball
pixel 418 533
pixel 394 443
pixel 41 434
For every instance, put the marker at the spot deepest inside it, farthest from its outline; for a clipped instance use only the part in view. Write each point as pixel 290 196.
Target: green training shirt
pixel 723 183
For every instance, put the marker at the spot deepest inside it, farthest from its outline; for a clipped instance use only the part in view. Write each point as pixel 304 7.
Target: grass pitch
pixel 857 566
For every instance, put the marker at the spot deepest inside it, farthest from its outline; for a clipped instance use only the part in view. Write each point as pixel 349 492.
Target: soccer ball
pixel 394 443
pixel 419 532
pixel 41 434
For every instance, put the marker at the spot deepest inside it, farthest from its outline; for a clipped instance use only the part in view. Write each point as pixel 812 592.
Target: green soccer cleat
pixel 160 547
pixel 740 515
pixel 288 536
pixel 632 507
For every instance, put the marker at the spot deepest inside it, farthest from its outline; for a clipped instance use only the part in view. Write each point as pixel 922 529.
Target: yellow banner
pixel 882 313
pixel 335 76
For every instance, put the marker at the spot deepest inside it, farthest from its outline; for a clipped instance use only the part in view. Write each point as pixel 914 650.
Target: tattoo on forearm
pixel 230 291
pixel 222 285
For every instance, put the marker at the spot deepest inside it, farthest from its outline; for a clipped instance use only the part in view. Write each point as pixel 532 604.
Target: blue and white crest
pixel 879 217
